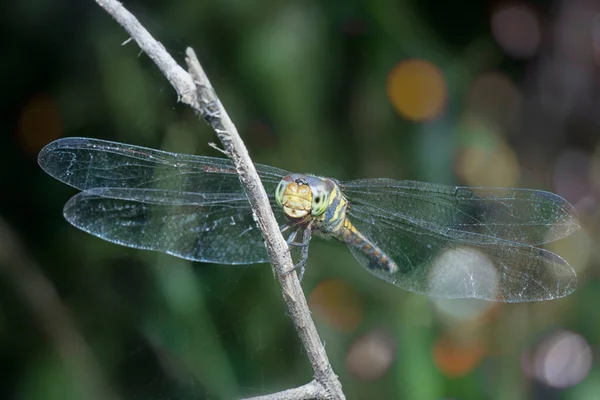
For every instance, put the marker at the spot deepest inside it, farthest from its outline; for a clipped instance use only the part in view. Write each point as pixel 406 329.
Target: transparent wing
pixel 189 206
pixel 215 230
pixel 520 215
pixel 465 243
pixel 86 163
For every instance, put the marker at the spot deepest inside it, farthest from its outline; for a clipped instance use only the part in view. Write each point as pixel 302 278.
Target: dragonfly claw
pixel 300 268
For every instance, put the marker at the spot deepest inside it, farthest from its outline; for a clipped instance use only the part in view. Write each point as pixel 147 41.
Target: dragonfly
pixel 440 240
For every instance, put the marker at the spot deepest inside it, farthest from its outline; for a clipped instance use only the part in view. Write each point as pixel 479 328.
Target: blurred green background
pixel 472 93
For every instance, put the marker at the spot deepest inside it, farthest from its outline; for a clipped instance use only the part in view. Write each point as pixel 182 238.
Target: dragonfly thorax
pixel 301 195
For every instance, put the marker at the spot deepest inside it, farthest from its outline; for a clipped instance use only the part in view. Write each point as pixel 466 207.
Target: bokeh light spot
pixel 572 175
pixel 456 359
pixel 576 249
pixel 371 355
pixel 338 304
pixel 417 90
pixel 484 158
pixel 39 123
pixel 516 29
pixel 461 311
pixel 494 98
pixel 463 272
pixel 562 360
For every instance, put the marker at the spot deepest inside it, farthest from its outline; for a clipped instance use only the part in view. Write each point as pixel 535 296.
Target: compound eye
pixel 279 192
pixel 320 200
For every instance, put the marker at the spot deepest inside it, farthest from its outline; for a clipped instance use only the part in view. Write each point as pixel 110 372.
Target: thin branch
pixel 197 92
pixel 312 390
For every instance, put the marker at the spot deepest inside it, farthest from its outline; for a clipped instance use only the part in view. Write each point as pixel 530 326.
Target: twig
pixel 52 316
pixel 197 92
pixel 312 390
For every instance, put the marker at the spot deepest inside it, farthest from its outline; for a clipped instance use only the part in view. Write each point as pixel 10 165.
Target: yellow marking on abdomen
pixel 352 236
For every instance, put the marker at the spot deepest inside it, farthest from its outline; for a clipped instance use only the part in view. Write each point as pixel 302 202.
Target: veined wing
pixel 86 163
pixel 446 262
pixel 520 215
pixel 220 229
pixel 190 206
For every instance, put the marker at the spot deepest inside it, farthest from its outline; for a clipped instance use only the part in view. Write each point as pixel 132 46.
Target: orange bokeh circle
pixel 417 90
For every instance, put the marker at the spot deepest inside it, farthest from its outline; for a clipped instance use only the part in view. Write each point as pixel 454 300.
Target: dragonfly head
pixel 301 194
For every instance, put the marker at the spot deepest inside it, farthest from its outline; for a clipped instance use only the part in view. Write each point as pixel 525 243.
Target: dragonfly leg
pixel 291 240
pixel 284 227
pixel 301 265
pixel 293 243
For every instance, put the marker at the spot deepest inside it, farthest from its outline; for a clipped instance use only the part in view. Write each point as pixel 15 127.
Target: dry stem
pixel 197 92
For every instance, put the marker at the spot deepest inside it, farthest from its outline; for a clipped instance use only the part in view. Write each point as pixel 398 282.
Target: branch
pixel 197 92
pixel 312 390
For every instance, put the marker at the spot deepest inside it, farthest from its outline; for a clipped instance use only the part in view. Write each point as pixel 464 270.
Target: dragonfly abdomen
pixel 377 257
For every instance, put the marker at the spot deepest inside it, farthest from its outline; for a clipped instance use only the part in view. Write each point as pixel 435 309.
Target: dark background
pixel 504 94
